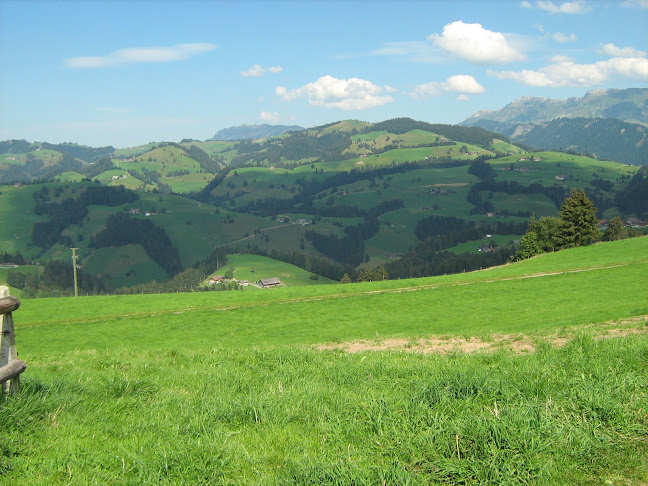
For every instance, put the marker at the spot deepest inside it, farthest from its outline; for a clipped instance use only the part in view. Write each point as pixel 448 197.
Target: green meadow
pixel 254 387
pixel 255 267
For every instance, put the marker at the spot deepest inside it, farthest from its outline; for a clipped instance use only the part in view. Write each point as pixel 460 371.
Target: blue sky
pixel 125 73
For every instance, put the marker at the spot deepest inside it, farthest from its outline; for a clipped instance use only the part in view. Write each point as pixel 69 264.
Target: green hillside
pixel 255 267
pixel 531 373
pixel 352 185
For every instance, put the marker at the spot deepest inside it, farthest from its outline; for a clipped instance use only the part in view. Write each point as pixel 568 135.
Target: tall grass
pixel 282 415
pixel 229 389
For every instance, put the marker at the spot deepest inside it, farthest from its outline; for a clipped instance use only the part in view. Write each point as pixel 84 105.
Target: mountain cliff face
pixel 253 132
pixel 629 105
pixel 609 123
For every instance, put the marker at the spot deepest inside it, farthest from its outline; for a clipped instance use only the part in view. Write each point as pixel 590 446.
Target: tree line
pixel 122 229
pixel 72 211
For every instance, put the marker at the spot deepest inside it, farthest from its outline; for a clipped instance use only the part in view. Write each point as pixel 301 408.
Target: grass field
pixel 255 267
pixel 235 387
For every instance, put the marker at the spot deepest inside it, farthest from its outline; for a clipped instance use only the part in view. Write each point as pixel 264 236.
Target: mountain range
pixel 609 124
pixel 253 132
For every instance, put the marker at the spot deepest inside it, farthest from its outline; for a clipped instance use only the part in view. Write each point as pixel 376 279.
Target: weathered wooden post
pixel 10 365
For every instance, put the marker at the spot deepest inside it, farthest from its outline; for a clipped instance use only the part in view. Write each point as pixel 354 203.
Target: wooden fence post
pixel 8 352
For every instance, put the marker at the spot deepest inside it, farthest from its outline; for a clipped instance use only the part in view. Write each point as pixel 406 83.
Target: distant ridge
pixel 607 123
pixel 252 132
pixel 629 105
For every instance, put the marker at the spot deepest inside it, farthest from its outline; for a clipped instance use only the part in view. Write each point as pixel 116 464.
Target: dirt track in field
pixel 517 343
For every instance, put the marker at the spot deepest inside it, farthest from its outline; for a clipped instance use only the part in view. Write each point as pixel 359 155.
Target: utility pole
pixel 74 266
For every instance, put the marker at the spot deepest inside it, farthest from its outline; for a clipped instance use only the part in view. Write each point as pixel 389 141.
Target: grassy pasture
pixel 225 388
pixel 538 204
pixel 124 266
pixel 505 147
pixel 17 219
pixel 70 176
pixel 265 267
pixel 579 169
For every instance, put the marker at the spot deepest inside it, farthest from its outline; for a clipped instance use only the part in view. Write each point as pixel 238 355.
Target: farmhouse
pixel 134 211
pixel 636 223
pixel 269 282
pixel 216 279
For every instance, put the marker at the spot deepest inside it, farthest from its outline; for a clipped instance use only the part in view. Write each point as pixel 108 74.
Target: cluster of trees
pixel 576 225
pixel 199 155
pixel 56 280
pixel 471 135
pixel 122 229
pixel 633 199
pixel 82 152
pixel 316 265
pixel 425 260
pixel 72 211
pixel 297 146
pixel 442 232
pixel 15 258
pixel 367 275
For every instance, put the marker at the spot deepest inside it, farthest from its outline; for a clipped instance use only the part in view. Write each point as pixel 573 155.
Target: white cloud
pixel 560 58
pixel 563 38
pixel 253 71
pixel 137 55
pixel 344 94
pixel 460 83
pixel 475 44
pixel 463 97
pixel 577 7
pixel 568 73
pixel 526 4
pixel 256 71
pixel 272 117
pixel 614 51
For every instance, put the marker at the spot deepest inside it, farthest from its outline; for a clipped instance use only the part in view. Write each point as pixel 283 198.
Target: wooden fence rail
pixel 12 370
pixel 10 365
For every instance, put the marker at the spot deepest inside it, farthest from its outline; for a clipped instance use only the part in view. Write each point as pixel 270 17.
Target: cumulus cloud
pixel 253 71
pixel 614 51
pixel 564 38
pixel 344 94
pixel 138 55
pixel 463 97
pixel 460 83
pixel 475 44
pixel 256 71
pixel 568 73
pixel 560 58
pixel 576 7
pixel 272 117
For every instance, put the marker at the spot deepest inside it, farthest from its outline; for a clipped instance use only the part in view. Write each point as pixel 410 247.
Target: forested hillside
pixel 348 201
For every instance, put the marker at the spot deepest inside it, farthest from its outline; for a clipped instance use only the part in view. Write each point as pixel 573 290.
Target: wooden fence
pixel 10 365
